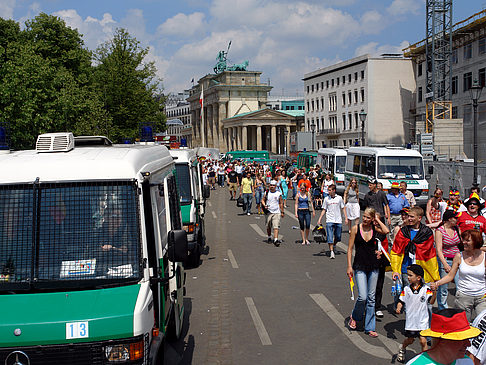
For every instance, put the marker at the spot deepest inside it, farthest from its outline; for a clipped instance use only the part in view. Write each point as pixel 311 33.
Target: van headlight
pixel 125 352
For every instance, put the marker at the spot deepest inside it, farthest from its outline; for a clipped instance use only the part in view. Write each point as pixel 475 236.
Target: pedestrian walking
pixel 435 209
pixel 233 183
pixel 396 202
pixel 284 186
pixel 448 244
pixel 415 298
pixel 351 201
pixel 363 238
pixel 325 185
pixel 470 266
pixel 212 178
pixel 221 175
pixel 408 194
pixel 451 334
pixel 247 192
pixel 304 208
pixel 272 201
pixel 332 207
pixel 259 188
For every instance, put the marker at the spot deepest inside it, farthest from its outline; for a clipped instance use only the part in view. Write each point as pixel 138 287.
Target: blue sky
pixel 282 38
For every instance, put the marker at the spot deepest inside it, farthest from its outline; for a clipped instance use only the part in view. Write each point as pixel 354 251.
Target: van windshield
pixel 184 183
pixel 69 235
pixel 400 167
pixel 340 164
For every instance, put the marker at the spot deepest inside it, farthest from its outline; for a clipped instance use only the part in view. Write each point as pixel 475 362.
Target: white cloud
pixel 403 7
pixel 182 25
pixel 372 22
pixel 7 9
pixel 375 49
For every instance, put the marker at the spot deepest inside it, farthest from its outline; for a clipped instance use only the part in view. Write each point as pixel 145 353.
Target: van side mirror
pixel 177 245
pixel 206 191
pixel 431 170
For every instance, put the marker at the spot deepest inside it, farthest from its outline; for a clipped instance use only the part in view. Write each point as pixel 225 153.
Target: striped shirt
pixel 449 244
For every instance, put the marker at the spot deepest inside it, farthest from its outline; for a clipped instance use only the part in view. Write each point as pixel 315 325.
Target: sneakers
pixel 379 314
pixel 248 213
pixel 401 355
pixel 269 240
pixel 276 243
pixel 332 255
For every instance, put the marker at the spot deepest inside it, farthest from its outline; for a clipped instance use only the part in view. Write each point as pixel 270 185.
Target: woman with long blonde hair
pixel 351 201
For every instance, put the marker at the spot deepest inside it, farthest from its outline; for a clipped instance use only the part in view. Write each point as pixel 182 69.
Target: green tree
pixel 128 85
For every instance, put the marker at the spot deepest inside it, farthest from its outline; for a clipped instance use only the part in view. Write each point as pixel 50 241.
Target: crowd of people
pixel 424 250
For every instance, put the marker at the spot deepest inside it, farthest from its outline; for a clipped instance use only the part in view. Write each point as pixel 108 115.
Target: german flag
pixel 422 246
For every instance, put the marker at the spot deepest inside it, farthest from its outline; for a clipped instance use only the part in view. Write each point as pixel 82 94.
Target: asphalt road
pixel 250 302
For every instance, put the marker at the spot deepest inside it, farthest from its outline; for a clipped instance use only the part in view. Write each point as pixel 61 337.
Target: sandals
pixel 372 334
pixel 401 355
pixel 352 323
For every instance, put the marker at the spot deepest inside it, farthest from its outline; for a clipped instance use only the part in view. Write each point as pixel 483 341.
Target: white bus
pixel 333 161
pixel 388 164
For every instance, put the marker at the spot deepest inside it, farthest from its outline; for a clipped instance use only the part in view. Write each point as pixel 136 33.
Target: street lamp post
pixel 362 118
pixel 475 92
pixel 313 128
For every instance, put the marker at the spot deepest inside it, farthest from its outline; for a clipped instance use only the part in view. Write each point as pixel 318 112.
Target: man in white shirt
pixel 273 202
pixel 332 206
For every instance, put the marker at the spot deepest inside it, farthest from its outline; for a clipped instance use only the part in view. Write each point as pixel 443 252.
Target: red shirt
pixel 465 222
pixel 307 183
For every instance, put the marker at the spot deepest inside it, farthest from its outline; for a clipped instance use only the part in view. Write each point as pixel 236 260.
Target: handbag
pixel 239 202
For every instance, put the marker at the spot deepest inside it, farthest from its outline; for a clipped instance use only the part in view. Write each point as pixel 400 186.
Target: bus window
pixel 331 164
pixel 367 165
pixel 340 164
pixel 356 164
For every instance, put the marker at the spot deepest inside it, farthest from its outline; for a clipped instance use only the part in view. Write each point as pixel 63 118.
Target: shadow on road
pixel 183 351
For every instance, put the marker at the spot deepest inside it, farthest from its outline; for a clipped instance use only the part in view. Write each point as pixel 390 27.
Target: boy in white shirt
pixel 332 206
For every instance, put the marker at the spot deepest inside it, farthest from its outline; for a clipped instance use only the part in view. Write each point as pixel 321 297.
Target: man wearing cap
pixel 471 219
pixel 451 335
pixel 396 201
pixel 454 202
pixel 273 202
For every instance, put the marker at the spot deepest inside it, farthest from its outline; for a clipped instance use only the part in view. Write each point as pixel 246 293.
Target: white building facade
pixel 178 108
pixel 382 87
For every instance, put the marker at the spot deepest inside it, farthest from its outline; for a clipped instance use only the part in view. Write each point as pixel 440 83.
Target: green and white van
pixel 193 195
pixel 91 253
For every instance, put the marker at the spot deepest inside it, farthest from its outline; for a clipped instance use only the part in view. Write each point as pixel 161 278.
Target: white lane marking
pixel 259 231
pixel 257 321
pixel 209 203
pixel 341 245
pixel 308 276
pixel 232 259
pixel 214 214
pixel 354 337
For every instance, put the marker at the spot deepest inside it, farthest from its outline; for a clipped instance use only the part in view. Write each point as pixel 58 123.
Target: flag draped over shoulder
pixel 422 246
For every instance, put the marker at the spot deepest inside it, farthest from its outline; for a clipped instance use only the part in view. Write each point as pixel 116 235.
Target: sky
pixel 282 38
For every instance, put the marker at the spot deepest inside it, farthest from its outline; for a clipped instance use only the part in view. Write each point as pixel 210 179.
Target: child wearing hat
pixel 415 297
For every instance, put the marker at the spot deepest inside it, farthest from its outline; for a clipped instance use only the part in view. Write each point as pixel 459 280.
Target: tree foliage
pixel 49 84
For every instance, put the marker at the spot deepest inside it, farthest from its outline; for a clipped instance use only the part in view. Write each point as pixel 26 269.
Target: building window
pixel 350 100
pixel 344 142
pixel 332 82
pixel 362 95
pixel 482 77
pixel 419 69
pixel 308 109
pixel 317 87
pixel 454 85
pixel 355 76
pixel 454 56
pixel 350 120
pixel 317 104
pixel 344 98
pixel 355 96
pixel 322 85
pixel 332 102
pixel 362 74
pixel 337 81
pixel 454 112
pixel 467 81
pixel 312 87
pixel 322 103
pixel 312 103
pixel 327 84
pixel 419 95
pixel 308 89
pixel 344 122
pixel 468 51
pixel 344 80
pixel 349 77
pixel 482 46
pixel 356 119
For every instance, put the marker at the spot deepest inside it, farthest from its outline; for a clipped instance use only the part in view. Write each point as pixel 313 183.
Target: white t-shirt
pixel 272 201
pixel 333 207
pixel 478 348
pixel 442 208
pixel 326 184
pixel 239 169
pixel 417 313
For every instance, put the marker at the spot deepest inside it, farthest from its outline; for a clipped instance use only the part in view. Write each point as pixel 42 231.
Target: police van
pixel 333 161
pixel 91 253
pixel 387 165
pixel 193 195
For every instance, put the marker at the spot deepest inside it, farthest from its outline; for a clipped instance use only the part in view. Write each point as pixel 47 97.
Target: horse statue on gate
pixel 239 66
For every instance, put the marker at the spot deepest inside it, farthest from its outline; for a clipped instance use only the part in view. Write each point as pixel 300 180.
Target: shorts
pixel 233 186
pixel 211 180
pixel 273 220
pixel 412 334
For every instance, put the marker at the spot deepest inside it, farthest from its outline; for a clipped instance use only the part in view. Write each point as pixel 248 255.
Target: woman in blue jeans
pixel 303 210
pixel 365 268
